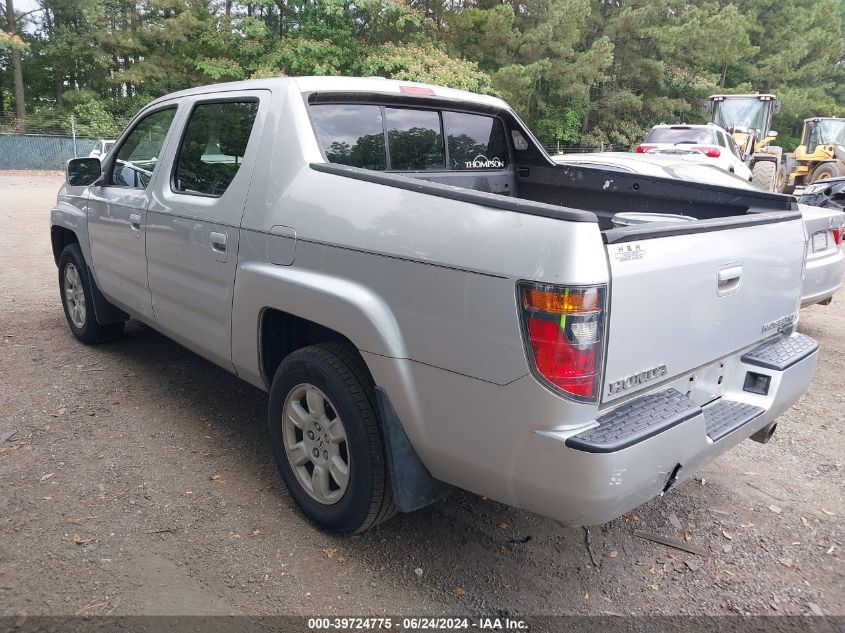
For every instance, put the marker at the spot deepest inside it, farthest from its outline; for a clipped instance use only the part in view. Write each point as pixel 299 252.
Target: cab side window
pixel 138 155
pixel 213 146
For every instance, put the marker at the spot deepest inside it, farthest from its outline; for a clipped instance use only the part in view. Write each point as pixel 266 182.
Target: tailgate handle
pixel 729 278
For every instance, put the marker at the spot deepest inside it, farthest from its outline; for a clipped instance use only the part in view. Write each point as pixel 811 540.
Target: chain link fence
pixel 37 145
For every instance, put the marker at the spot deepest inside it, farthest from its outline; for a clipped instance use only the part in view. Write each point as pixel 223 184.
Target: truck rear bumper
pixel 822 276
pixel 643 447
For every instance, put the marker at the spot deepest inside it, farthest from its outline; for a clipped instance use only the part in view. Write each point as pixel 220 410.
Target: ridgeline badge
pixel 636 379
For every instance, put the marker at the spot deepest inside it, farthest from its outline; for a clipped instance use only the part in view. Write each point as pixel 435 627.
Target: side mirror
pixel 705 106
pixel 771 134
pixel 81 172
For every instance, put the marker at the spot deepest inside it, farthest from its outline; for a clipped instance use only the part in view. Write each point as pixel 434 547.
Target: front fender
pixel 71 213
pixel 342 305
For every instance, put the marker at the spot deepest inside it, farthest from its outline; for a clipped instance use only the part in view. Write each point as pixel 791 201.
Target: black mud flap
pixel 104 311
pixel 413 485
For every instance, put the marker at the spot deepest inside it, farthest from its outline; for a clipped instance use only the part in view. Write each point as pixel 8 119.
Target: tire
pixel 78 302
pixel 764 175
pixel 335 373
pixel 824 171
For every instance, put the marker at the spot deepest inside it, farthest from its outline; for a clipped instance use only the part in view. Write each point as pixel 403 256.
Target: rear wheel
pixel 825 171
pixel 327 441
pixel 77 299
pixel 764 175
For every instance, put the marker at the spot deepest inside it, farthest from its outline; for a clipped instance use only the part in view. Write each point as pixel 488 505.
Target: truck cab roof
pixel 372 85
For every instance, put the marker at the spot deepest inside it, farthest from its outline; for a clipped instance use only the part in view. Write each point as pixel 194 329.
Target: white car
pixel 825 261
pixel 101 148
pixel 710 143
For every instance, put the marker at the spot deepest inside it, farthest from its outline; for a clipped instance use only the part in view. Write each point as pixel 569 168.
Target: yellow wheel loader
pixel 748 119
pixel 821 154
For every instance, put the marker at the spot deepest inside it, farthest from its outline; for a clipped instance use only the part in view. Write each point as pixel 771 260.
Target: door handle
pixel 218 242
pixel 135 221
pixel 728 279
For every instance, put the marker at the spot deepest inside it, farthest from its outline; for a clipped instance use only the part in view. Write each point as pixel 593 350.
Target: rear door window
pixel 475 141
pixel 414 138
pixel 351 134
pixel 213 146
pixel 679 135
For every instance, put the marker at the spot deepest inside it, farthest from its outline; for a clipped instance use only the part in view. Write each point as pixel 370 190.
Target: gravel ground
pixel 139 481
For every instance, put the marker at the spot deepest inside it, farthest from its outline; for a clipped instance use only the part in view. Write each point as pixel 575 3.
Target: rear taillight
pixel 710 152
pixel 564 335
pixel 642 149
pixel 837 236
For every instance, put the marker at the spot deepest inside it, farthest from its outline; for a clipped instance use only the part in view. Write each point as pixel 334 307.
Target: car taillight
pixel 564 335
pixel 837 236
pixel 710 152
pixel 642 149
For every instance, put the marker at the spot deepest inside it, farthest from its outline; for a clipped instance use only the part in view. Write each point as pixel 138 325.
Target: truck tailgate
pixel 682 299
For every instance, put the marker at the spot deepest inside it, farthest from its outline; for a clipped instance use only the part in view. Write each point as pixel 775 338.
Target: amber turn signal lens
pixel 562 303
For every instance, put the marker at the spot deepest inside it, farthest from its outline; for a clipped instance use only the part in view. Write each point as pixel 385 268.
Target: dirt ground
pixel 139 480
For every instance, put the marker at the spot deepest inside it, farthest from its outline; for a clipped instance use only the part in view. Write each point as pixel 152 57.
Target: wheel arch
pixel 281 333
pixel 311 307
pixel 60 238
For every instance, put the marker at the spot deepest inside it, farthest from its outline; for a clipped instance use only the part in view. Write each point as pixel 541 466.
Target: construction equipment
pixel 821 154
pixel 748 118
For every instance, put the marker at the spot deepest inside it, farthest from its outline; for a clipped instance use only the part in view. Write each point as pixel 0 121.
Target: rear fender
pixel 344 306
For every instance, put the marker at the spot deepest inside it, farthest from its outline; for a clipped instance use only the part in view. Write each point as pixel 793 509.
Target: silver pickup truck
pixel 431 301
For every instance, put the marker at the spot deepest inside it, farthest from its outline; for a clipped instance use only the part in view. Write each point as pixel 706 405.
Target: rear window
pixel 409 139
pixel 680 135
pixel 414 139
pixel 475 142
pixel 351 134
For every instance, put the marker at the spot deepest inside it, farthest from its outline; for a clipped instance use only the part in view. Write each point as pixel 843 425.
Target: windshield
pixel 745 112
pixel 826 131
pixel 679 135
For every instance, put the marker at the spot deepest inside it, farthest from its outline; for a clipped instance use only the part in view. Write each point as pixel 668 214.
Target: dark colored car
pixel 828 193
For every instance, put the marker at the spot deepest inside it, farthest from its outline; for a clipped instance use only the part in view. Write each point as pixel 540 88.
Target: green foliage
pixel 579 71
pixel 427 64
pixel 11 41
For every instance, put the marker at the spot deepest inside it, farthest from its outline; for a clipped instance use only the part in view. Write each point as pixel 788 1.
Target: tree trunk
pixel 724 74
pixel 17 67
pixel 58 67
